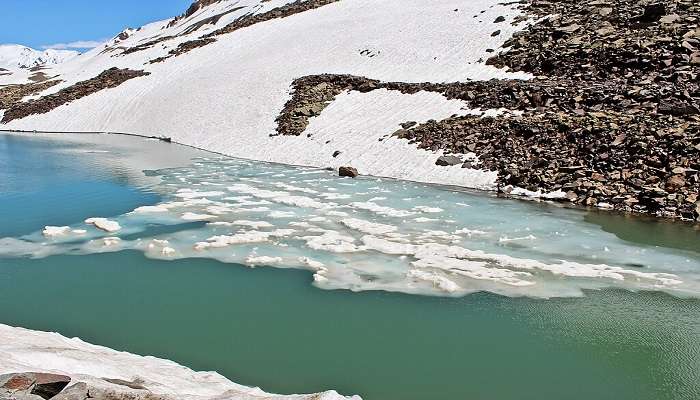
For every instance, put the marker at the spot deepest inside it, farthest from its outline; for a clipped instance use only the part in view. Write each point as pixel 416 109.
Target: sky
pixel 78 24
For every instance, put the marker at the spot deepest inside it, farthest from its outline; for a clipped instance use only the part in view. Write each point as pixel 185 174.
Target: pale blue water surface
pixel 510 313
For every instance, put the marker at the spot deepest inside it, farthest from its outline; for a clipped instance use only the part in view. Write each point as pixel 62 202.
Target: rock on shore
pixel 40 365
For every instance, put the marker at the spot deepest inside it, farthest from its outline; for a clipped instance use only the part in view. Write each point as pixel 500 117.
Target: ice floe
pixel 54 231
pixel 104 224
pixel 372 234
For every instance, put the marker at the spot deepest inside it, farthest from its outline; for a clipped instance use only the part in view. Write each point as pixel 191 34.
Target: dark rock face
pixel 110 78
pixel 348 172
pixel 49 385
pixel 652 13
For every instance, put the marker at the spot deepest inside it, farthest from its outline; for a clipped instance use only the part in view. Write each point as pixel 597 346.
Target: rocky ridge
pixel 12 94
pixel 611 118
pixel 17 109
pixel 245 21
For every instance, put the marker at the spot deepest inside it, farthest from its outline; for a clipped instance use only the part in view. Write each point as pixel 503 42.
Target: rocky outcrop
pixel 642 46
pixel 110 78
pixel 619 161
pixel 39 385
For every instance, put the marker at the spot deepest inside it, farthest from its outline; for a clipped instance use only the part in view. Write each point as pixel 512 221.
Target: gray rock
pixel 446 161
pixel 675 183
pixel 135 384
pixel 9 395
pixel 78 391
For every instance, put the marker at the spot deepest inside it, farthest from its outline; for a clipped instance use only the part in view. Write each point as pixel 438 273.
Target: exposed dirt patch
pixel 39 77
pixel 107 79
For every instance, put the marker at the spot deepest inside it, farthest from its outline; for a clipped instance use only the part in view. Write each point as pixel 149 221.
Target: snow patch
pixel 104 224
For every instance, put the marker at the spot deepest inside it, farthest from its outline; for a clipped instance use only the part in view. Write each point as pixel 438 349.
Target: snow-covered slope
pixel 225 96
pixel 23 350
pixel 14 56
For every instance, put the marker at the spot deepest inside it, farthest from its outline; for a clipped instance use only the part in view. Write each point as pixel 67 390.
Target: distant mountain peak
pixel 192 9
pixel 14 56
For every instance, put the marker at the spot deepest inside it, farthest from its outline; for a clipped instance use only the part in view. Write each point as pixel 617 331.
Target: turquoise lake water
pixel 278 329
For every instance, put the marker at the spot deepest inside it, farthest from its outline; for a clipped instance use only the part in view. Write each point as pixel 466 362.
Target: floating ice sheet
pixel 372 234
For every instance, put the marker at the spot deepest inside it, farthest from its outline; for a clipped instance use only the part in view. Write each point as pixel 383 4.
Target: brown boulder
pixel 675 183
pixel 17 382
pixel 348 172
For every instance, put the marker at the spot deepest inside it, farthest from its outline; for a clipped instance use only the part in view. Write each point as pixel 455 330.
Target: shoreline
pixel 456 188
pixel 88 370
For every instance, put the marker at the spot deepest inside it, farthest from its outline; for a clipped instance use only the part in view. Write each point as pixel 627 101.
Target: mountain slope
pixel 598 103
pixel 226 95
